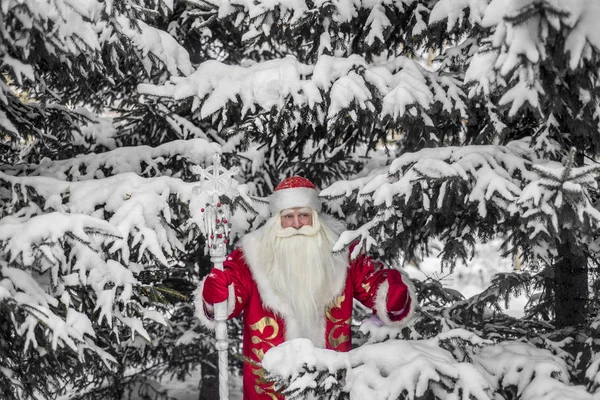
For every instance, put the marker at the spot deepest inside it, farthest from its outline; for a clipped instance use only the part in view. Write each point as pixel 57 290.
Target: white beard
pixel 300 269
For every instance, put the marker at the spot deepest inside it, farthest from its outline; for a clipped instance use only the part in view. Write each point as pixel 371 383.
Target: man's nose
pixel 297 222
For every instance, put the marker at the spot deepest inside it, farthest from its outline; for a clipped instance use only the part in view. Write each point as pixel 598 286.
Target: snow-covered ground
pixel 188 389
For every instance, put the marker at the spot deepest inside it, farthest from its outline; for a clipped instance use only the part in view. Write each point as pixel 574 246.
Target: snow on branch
pixel 136 159
pixel 73 330
pixel 518 26
pixel 591 358
pixel 398 85
pixel 21 238
pixel 294 10
pixel 527 371
pixel 23 290
pixel 446 190
pixel 397 369
pixel 487 170
pixel 134 207
pixel 163 46
pixel 71 27
pixel 561 187
pixel 455 12
pixel 522 36
pixel 77 248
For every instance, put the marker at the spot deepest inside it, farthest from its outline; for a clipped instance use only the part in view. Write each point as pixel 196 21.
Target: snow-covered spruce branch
pixel 506 185
pixel 400 369
pixel 329 87
pixel 511 55
pixel 442 308
pixel 326 27
pixel 149 40
pixel 590 357
pixel 141 160
pixel 483 313
pixel 78 257
pixel 90 55
pixel 468 181
pixel 135 208
pixel 35 310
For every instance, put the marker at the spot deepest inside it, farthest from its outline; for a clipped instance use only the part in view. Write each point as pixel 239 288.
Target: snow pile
pixel 418 368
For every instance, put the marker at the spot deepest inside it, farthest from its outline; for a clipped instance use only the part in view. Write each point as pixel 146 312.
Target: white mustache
pixel 306 230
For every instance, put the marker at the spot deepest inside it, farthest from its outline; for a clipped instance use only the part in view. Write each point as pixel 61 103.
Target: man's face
pixel 296 217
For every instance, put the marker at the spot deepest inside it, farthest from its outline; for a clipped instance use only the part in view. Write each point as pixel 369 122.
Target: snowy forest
pixel 431 127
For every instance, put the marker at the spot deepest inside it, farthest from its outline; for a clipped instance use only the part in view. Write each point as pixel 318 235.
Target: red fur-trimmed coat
pixel 269 321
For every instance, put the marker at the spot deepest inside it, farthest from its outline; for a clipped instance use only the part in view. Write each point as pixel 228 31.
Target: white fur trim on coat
pixel 207 320
pixel 381 304
pixel 294 197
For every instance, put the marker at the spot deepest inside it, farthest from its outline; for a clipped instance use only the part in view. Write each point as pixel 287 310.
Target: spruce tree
pixel 312 89
pixel 494 137
pixel 486 112
pixel 99 252
pixel 537 66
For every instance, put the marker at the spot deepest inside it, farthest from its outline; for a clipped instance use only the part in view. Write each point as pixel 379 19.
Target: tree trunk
pixel 209 383
pixel 570 285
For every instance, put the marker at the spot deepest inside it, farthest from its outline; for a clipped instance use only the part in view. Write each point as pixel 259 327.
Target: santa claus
pixel 289 284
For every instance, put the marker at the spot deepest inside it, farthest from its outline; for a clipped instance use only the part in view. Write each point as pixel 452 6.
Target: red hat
pixel 292 192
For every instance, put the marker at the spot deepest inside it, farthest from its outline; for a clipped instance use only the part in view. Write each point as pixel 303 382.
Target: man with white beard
pixel 289 284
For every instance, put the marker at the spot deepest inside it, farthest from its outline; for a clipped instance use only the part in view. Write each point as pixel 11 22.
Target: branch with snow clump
pixel 413 369
pixel 504 181
pixel 126 159
pixel 400 84
pixel 489 169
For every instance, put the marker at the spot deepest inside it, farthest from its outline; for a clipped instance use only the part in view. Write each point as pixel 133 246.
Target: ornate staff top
pixel 217 181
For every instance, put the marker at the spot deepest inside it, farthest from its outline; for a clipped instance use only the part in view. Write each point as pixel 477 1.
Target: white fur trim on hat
pixel 294 197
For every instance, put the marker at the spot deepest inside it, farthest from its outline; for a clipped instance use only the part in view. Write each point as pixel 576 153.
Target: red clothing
pixel 268 320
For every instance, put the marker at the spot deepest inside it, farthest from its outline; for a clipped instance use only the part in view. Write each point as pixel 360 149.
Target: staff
pixel 215 226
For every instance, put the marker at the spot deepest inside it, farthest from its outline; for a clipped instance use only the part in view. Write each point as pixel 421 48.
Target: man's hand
pixel 398 300
pixel 216 287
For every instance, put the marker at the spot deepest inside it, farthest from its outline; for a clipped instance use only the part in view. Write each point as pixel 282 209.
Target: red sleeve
pixel 373 288
pixel 241 278
pixel 367 276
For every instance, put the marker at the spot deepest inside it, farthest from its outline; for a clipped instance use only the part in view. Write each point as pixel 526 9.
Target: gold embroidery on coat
pixel 256 339
pixel 367 287
pixel 336 342
pixel 259 390
pixel 337 303
pixel 263 323
pixel 259 353
pixel 331 318
pixel 260 372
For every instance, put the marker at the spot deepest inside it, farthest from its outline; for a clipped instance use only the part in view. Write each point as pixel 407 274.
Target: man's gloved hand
pixel 398 300
pixel 216 287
